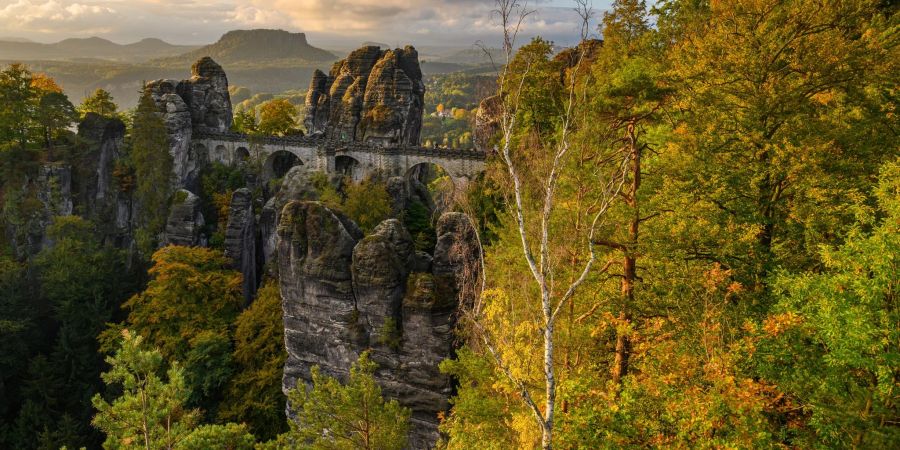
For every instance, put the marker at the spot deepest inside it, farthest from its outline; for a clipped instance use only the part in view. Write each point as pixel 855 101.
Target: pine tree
pixel 351 416
pixel 150 413
pixel 99 102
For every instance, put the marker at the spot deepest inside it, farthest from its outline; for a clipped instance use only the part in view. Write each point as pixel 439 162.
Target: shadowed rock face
pixel 185 220
pixel 343 293
pixel 108 135
pixel 177 117
pixel 373 95
pixel 241 239
pixel 101 195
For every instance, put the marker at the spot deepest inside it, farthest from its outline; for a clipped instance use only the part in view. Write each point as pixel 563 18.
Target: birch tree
pixel 534 150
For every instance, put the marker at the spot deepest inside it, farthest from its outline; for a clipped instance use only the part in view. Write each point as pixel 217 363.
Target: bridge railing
pixel 336 146
pixel 271 140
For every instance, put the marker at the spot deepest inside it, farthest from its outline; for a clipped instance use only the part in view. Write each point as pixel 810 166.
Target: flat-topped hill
pixel 256 46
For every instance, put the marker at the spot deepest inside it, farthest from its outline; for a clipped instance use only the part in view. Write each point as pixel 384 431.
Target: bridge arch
pixel 349 166
pixel 432 176
pixel 198 153
pixel 278 163
pixel 220 154
pixel 241 154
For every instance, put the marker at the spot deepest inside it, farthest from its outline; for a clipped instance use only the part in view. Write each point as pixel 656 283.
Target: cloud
pixel 434 21
pixel 26 12
pixel 192 21
pixel 346 21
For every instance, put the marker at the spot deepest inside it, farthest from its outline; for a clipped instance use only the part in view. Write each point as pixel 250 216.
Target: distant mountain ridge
pixel 262 60
pixel 255 47
pixel 14 39
pixel 93 48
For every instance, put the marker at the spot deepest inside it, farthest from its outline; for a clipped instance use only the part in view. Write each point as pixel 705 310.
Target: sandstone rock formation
pixel 297 184
pixel 102 195
pixel 188 107
pixel 373 95
pixel 240 239
pixel 185 219
pixel 177 117
pixel 206 94
pixel 54 191
pixel 487 123
pixel 344 293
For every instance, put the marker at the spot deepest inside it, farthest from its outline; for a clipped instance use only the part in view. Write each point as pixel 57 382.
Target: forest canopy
pixel 690 228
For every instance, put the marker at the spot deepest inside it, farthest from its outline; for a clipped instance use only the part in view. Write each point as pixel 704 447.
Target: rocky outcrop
pixel 54 192
pixel 487 123
pixel 104 193
pixel 200 104
pixel 206 94
pixel 177 117
pixel 32 202
pixel 185 219
pixel 582 55
pixel 373 96
pixel 297 184
pixel 240 240
pixel 108 136
pixel 344 293
pixel 315 250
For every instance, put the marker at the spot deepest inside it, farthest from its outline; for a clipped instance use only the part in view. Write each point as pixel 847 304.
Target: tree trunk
pixel 629 263
pixel 549 406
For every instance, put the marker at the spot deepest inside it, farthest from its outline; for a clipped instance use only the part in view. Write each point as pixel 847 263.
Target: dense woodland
pixel 691 238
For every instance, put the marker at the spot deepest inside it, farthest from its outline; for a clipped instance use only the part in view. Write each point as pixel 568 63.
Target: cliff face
pixel 102 194
pixel 206 94
pixel 487 123
pixel 88 187
pixel 372 96
pixel 200 104
pixel 185 220
pixel 343 293
pixel 241 240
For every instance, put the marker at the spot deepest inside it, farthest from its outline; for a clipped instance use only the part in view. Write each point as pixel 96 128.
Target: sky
pixel 326 22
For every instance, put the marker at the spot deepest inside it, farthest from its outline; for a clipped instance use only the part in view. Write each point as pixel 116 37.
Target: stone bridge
pixel 354 159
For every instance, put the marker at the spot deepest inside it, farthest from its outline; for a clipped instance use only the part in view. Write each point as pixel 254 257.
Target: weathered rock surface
pixel 373 95
pixel 102 194
pixel 487 123
pixel 397 190
pixel 240 239
pixel 198 105
pixel 49 187
pixel 344 293
pixel 54 192
pixel 315 250
pixel 268 228
pixel 185 219
pixel 177 117
pixel 206 94
pixel 297 184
